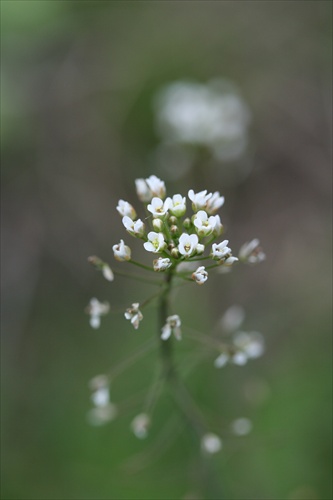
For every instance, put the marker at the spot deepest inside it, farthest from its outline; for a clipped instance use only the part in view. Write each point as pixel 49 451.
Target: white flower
pixel 222 253
pixel 172 325
pixel 140 425
pixel 251 343
pixel 230 260
pixel 159 208
pixel 214 203
pixel 101 397
pixel 241 426
pixel 251 252
pixel 204 225
pixel 200 275
pixel 107 272
pixel 121 251
pixel 199 200
pixel 156 186
pixel 239 358
pixel 218 230
pixel 134 315
pixel 161 264
pixel 221 360
pixel 96 309
pixel 188 244
pixel 155 242
pixel 211 443
pixel 177 205
pixel 101 415
pixel 143 191
pixel 125 208
pixel 135 228
pixel 232 318
pixel 102 266
pixel 212 115
pixel 220 250
pixel 99 386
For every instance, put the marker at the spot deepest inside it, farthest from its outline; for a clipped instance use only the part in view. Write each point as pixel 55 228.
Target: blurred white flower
pixel 107 272
pixel 218 230
pixel 155 243
pixel 121 252
pixel 135 228
pixel 143 191
pixel 212 115
pixel 251 252
pixel 102 266
pixel 172 325
pixel 101 396
pixel 96 309
pixel 251 343
pixel 156 186
pixel 214 203
pixel 221 360
pixel 140 425
pixel 101 415
pixel 232 318
pixel 134 314
pixel 200 275
pixel 241 426
pixel 230 260
pixel 239 358
pixel 188 244
pixel 211 443
pixel 125 208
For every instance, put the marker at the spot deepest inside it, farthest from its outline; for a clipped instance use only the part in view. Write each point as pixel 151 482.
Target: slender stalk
pixel 137 277
pixel 166 345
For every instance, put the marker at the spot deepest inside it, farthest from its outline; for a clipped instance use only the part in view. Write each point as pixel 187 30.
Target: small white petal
pixel 221 360
pixel 211 443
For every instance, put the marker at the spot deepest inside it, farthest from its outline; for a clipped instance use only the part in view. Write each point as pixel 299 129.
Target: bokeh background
pixel 79 79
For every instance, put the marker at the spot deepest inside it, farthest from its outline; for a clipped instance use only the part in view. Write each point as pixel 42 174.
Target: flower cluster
pixel 173 234
pixel 178 230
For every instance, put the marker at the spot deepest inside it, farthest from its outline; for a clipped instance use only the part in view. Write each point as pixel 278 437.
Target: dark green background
pixel 78 80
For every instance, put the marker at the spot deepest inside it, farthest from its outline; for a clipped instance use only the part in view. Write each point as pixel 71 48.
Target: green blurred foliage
pixel 78 83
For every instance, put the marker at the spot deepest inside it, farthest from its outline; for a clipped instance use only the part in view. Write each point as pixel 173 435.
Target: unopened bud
pixel 175 253
pixel 200 248
pixel 187 223
pixel 158 225
pixel 173 220
pixel 174 230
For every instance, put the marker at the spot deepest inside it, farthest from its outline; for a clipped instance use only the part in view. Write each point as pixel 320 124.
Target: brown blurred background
pixel 79 79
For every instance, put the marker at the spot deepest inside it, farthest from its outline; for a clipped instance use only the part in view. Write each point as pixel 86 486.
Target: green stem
pixel 137 277
pixel 147 268
pixel 166 345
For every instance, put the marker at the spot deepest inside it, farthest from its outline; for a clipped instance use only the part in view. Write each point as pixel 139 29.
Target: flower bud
pixel 175 253
pixel 158 225
pixel 173 220
pixel 121 251
pixel 200 248
pixel 174 230
pixel 140 425
pixel 187 223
